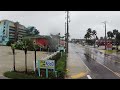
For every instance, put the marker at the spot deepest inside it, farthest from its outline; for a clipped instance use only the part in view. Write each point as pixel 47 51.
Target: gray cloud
pixel 54 21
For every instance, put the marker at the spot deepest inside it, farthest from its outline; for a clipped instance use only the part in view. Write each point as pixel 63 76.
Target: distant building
pixel 11 31
pixel 40 40
pixel 81 41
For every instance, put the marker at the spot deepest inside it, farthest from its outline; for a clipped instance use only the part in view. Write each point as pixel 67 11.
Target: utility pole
pixel 68 20
pixel 65 37
pixel 105 34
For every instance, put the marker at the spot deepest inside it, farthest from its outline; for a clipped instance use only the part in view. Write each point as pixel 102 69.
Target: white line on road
pixel 109 69
pixel 86 65
pixel 88 76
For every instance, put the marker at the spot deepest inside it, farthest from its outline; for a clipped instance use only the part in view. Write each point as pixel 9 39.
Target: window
pixel 4 23
pixel 4 31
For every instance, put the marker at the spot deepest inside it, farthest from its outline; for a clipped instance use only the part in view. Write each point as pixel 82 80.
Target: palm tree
pixel 25 44
pixel 13 49
pixel 89 30
pixel 35 48
pixel 115 33
pixel 110 35
pixel 94 35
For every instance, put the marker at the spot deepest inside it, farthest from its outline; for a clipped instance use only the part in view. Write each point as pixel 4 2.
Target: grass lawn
pixel 21 75
pixel 108 51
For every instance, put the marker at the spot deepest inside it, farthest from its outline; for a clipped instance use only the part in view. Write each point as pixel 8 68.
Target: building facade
pixel 11 31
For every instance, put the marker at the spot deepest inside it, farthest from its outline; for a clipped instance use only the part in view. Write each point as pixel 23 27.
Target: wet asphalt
pixel 101 66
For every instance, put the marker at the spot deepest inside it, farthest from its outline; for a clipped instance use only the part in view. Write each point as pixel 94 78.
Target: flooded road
pixel 101 66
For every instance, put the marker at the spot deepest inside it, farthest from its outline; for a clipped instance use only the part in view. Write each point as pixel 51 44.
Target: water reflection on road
pixel 98 59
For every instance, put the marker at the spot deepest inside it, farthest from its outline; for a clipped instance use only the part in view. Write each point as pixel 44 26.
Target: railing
pixel 46 58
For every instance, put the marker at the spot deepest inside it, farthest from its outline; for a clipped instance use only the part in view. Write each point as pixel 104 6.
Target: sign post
pixel 47 64
pixel 39 67
pixel 56 74
pixel 46 72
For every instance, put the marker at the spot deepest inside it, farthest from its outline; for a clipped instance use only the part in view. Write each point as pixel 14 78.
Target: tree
pixel 13 49
pixel 35 48
pixel 32 31
pixel 89 30
pixel 88 36
pixel 101 38
pixel 94 35
pixel 25 44
pixel 117 40
pixel 115 33
pixel 110 35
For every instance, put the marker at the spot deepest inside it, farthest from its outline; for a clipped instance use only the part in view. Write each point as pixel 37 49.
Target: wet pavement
pixel 101 66
pixel 75 66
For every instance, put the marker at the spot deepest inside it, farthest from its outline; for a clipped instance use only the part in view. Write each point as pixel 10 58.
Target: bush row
pixel 60 64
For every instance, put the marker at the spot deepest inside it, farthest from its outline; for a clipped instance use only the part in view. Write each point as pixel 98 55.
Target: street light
pixel 105 34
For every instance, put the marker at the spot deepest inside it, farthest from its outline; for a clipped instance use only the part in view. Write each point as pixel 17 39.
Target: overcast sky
pixel 54 21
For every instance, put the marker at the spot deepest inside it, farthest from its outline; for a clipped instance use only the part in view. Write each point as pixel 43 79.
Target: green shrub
pixel 60 65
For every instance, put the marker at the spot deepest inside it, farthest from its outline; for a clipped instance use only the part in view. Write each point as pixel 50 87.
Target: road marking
pixel 77 76
pixel 88 76
pixel 109 69
pixel 86 66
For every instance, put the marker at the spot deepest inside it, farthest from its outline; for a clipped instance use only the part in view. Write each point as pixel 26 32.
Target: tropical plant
pixel 115 33
pixel 31 31
pixel 25 44
pixel 94 35
pixel 110 35
pixel 35 48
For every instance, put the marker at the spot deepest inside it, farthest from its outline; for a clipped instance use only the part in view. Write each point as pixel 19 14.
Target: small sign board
pixel 50 64
pixel 61 48
pixel 42 64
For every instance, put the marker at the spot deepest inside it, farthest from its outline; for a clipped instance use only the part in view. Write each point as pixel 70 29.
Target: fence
pixel 46 58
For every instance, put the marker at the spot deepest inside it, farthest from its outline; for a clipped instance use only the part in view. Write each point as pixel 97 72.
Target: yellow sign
pixel 42 64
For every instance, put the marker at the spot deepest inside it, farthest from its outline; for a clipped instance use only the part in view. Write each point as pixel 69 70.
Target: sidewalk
pixel 76 68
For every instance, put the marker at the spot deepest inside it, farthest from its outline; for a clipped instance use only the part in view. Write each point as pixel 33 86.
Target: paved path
pixel 75 66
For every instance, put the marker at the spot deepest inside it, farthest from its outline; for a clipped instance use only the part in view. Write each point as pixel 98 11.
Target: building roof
pixel 12 22
pixel 38 36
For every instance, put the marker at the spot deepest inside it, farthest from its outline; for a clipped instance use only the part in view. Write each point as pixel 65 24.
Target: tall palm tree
pixel 94 35
pixel 116 34
pixel 89 30
pixel 13 49
pixel 25 44
pixel 110 35
pixel 35 48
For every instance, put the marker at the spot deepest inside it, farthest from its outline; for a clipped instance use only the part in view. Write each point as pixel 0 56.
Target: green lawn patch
pixel 21 75
pixel 108 51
